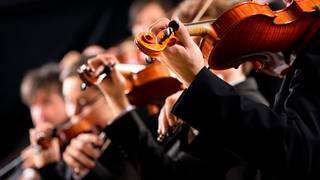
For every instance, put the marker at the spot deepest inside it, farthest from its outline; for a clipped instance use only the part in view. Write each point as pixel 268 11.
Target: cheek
pixel 60 112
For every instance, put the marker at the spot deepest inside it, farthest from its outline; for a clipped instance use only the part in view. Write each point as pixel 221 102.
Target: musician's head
pixel 93 50
pixel 88 104
pixel 142 13
pixel 69 58
pixel 41 91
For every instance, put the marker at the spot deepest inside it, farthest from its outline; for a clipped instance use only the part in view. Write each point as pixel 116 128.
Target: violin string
pixel 201 22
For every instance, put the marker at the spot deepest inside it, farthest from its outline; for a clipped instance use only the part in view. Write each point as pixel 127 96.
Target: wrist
pixel 121 105
pixel 191 75
pixel 122 112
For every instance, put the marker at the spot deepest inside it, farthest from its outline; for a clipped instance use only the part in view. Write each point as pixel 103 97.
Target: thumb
pixel 182 34
pixel 117 77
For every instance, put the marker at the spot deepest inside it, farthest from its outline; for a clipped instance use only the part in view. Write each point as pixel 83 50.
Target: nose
pixel 37 114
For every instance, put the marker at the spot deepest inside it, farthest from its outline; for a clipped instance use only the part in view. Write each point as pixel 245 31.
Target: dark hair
pixel 43 77
pixel 138 5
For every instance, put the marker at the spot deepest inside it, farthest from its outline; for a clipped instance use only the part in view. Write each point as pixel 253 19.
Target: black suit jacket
pixel 284 141
pixel 146 155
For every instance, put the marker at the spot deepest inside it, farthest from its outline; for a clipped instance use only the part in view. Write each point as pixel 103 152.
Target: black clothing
pixel 147 156
pixel 284 142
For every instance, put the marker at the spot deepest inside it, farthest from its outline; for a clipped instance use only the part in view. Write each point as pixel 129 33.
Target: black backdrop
pixel 33 32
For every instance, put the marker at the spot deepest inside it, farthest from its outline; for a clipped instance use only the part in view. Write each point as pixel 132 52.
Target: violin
pixel 143 87
pixel 243 33
pixel 64 132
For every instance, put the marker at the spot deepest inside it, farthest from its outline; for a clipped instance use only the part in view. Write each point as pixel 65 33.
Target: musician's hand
pixel 185 59
pixel 166 118
pixel 81 154
pixel 114 86
pixel 48 152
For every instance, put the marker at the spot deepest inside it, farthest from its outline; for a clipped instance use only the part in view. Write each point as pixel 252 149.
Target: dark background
pixel 33 32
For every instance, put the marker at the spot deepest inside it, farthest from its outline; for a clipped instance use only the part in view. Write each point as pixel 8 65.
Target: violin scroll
pixel 152 45
pixel 90 77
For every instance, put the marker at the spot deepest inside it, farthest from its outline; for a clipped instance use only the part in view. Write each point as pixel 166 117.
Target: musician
pixel 278 139
pixel 41 91
pixel 83 155
pixel 229 166
pixel 142 13
pixel 138 145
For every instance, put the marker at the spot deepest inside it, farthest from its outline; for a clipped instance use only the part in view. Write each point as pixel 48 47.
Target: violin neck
pixel 129 68
pixel 200 30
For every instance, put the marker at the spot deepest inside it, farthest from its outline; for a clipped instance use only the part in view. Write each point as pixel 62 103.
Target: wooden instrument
pixel 143 87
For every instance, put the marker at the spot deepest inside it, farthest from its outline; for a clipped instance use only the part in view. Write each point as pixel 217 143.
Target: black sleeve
pixel 60 170
pixel 237 123
pixel 145 154
pixel 98 172
pixel 283 141
pixel 53 171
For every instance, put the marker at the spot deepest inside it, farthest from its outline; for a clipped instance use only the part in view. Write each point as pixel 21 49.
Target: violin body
pixel 72 129
pixel 142 87
pixel 249 29
pixel 152 84
pixel 64 133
